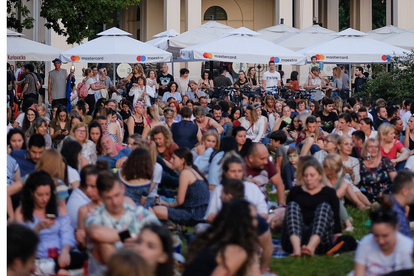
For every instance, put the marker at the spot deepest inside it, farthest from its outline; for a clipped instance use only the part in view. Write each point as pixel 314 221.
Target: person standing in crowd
pixel 222 80
pixel 164 80
pixel 57 84
pixel 110 219
pixel 152 83
pixel 271 78
pixel 206 82
pixel 385 251
pixel 21 250
pixel 91 86
pixel 359 80
pixel 31 84
pixel 142 90
pixel 329 119
pixel 183 81
pixel 336 85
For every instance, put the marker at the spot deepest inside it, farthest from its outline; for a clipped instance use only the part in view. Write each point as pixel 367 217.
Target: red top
pixel 295 85
pixel 236 123
pixel 392 154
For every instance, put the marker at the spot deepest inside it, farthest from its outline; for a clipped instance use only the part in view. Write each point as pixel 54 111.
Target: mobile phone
pixel 51 216
pixel 63 130
pixel 72 69
pixel 124 235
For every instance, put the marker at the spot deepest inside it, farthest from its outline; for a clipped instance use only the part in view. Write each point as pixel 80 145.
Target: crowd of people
pixel 102 182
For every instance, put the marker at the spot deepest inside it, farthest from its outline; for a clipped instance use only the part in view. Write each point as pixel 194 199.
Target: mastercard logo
pixel 208 55
pixel 275 59
pixel 320 57
pixel 141 58
pixel 386 57
pixel 74 58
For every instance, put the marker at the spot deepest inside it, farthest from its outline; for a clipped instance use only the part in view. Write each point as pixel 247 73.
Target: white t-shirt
pixel 73 175
pixel 76 200
pixel 252 194
pixel 271 79
pixel 351 130
pixel 376 263
pixel 410 164
pixel 20 119
pixel 88 83
pixel 157 179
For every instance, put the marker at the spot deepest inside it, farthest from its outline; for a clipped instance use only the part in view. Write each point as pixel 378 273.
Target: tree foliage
pixel 18 16
pixel 70 18
pixel 395 84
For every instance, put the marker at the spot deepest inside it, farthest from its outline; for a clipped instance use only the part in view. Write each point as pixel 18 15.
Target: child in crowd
pixel 289 176
pixel 314 63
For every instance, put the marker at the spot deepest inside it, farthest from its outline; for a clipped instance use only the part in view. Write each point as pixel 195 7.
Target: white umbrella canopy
pixel 208 31
pixel 21 49
pixel 115 46
pixel 242 46
pixel 161 39
pixel 275 32
pixel 305 38
pixel 385 32
pixel 352 46
pixel 402 40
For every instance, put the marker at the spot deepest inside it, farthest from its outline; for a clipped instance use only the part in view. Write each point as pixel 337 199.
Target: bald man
pixel 260 170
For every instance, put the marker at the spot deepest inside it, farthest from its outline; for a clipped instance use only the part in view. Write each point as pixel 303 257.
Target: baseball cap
pixel 57 59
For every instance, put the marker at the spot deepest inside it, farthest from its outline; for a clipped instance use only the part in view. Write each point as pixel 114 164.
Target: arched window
pixel 215 13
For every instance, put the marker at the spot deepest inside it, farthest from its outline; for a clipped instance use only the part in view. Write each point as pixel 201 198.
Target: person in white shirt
pixel 385 250
pixel 271 78
pixel 344 122
pixel 142 91
pixel 233 167
pixel 408 115
pixel 79 196
pixel 254 126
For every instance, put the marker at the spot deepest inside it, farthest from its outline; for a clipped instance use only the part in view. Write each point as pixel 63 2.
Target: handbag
pixel 104 93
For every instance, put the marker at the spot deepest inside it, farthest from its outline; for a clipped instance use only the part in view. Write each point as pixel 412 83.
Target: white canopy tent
pixel 403 40
pixel 385 32
pixel 352 46
pixel 161 39
pixel 305 38
pixel 22 49
pixel 275 32
pixel 242 46
pixel 206 32
pixel 115 46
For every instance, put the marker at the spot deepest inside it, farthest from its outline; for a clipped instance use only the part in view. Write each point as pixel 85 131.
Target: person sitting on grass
pixel 332 166
pixel 312 220
pixel 384 251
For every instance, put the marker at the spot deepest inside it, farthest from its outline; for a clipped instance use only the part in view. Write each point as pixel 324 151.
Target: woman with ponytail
pixel 193 193
pixel 385 251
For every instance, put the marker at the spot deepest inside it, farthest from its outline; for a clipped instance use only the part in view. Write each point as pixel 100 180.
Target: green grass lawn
pixel 337 265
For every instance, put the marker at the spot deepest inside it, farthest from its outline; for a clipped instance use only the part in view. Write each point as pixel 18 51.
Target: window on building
pixel 215 13
pixel 138 13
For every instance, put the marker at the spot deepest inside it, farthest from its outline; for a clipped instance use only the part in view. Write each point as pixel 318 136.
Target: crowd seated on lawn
pixel 112 187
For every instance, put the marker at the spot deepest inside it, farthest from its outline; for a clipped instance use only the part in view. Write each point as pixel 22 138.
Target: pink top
pixel 392 154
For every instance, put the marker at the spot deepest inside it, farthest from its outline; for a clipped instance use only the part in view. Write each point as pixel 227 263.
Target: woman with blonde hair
pixel 269 104
pixel 312 220
pixel 162 137
pixel 127 262
pixel 390 146
pixel 377 172
pixel 254 127
pixel 332 166
pixel 336 85
pixel 154 117
pixel 137 122
pixel 210 139
pixel 338 105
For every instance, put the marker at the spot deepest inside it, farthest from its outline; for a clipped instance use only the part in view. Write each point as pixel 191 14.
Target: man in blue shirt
pixel 114 157
pixel 402 196
pixel 27 159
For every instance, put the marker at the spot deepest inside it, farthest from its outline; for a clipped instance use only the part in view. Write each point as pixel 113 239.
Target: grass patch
pixel 337 265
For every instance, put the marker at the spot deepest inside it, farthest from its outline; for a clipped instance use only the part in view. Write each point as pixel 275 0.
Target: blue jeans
pixel 314 148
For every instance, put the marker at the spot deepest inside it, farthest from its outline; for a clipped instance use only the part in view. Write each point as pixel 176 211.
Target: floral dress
pixel 376 181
